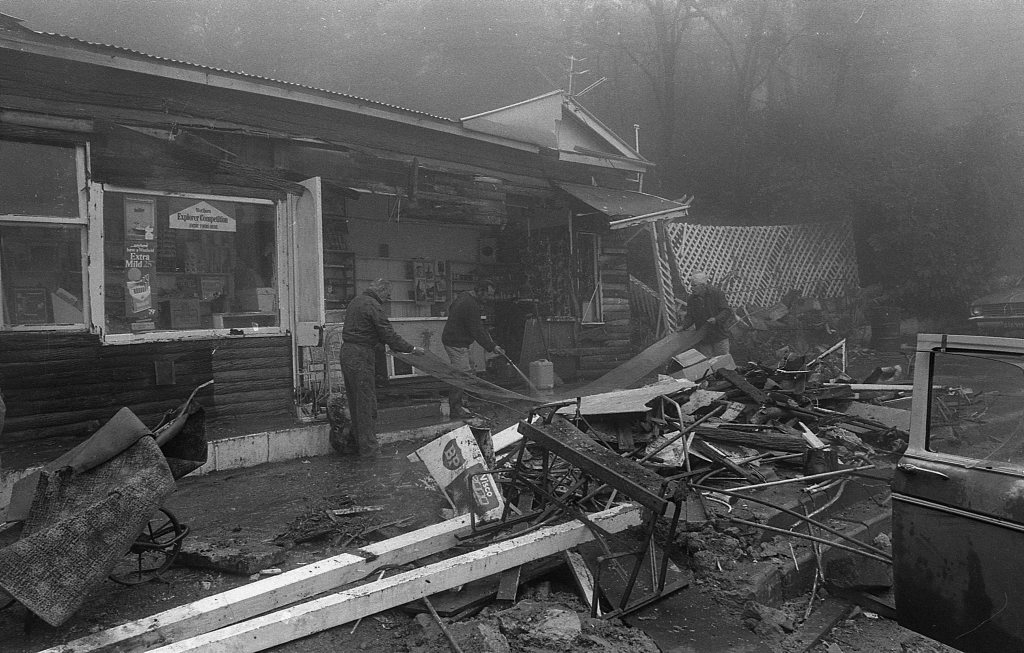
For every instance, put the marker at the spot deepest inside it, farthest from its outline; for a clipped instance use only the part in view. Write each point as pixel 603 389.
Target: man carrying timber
pixel 462 328
pixel 366 329
pixel 708 308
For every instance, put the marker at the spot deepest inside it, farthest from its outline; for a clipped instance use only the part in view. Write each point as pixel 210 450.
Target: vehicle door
pixel 958 495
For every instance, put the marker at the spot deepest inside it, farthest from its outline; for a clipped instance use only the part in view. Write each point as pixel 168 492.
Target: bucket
pixel 885 328
pixel 542 375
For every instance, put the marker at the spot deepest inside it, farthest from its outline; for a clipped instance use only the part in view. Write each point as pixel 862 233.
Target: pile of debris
pixel 685 453
pixel 630 494
pixel 338 520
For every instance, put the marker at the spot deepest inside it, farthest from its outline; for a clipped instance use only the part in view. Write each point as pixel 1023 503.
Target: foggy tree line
pixel 903 117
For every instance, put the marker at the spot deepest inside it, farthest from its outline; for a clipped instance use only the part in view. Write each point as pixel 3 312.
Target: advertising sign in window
pixel 188 263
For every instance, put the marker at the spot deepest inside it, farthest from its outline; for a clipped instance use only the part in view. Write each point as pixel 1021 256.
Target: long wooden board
pixel 644 363
pixel 269 593
pixel 320 614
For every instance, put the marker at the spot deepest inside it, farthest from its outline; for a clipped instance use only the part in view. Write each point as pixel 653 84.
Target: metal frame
pixel 565 469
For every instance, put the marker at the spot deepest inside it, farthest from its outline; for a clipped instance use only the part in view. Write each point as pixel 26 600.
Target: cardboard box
pixel 182 313
pixel 259 300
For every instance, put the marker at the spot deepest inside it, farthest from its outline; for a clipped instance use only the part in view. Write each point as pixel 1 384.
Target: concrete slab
pixel 241 451
pixel 298 443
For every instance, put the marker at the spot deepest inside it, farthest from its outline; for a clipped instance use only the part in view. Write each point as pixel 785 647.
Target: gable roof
pixel 557 121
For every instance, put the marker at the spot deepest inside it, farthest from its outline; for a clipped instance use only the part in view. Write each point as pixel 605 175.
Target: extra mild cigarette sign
pixel 455 462
pixel 202 216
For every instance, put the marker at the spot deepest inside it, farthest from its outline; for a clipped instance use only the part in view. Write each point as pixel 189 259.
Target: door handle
pixel 914 469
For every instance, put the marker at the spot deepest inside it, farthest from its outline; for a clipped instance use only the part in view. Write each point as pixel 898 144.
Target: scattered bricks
pixel 244 559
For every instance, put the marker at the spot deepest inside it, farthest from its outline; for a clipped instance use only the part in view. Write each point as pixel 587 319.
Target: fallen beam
pixel 320 614
pixel 267 594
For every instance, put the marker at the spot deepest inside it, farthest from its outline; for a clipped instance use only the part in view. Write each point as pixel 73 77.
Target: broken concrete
pixel 240 557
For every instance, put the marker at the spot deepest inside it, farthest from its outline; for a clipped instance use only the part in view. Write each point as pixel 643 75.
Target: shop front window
pixel 42 236
pixel 180 263
pixel 38 180
pixel 41 275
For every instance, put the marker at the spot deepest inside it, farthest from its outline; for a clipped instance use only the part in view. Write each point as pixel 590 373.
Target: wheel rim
pixel 153 551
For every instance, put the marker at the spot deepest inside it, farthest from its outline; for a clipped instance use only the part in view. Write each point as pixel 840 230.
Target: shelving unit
pixel 339 266
pixel 339 278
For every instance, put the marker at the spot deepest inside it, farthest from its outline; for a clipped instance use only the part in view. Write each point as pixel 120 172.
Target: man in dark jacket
pixel 708 307
pixel 366 328
pixel 462 328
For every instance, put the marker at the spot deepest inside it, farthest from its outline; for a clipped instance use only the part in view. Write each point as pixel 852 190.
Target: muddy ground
pixel 279 510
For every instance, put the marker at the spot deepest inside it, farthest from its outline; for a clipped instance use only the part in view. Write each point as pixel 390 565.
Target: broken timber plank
pixel 320 614
pixel 763 440
pixel 584 579
pixel 269 593
pixel 481 592
pixel 895 417
pixel 708 451
pixel 355 510
pixel 735 378
pixel 577 448
pixel 508 586
pixel 650 359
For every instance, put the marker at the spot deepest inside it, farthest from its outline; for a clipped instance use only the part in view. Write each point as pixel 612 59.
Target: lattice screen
pixel 663 256
pixel 758 265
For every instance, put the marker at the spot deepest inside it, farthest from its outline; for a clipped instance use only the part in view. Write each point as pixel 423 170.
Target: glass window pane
pixel 41 275
pixel 176 264
pixel 981 415
pixel 38 180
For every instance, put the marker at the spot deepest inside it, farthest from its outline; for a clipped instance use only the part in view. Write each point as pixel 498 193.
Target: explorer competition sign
pixel 202 217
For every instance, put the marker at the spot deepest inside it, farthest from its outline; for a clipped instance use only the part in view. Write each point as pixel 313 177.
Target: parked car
pixel 958 494
pixel 1000 313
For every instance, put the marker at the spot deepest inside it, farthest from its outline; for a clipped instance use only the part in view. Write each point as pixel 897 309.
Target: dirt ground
pixel 866 632
pixel 272 506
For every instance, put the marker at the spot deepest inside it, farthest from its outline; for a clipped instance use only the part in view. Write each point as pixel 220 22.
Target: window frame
pixel 923 446
pixel 82 175
pixel 98 279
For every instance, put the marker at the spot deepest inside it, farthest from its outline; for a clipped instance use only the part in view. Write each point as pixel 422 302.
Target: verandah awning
pixel 627 208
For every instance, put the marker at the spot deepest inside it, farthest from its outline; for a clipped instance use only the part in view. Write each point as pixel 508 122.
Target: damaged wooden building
pixel 164 223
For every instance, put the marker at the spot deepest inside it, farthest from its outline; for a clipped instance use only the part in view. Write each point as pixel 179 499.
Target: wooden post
pixel 320 614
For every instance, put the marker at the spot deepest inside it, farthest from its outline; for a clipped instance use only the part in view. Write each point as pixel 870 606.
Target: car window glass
pixel 977 407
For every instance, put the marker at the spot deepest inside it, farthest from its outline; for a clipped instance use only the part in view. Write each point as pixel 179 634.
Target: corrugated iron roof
pixel 71 40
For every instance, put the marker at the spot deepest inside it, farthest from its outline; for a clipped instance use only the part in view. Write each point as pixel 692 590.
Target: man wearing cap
pixel 708 308
pixel 366 328
pixel 462 328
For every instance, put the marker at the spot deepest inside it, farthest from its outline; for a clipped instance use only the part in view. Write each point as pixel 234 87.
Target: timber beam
pixel 271 593
pixel 292 623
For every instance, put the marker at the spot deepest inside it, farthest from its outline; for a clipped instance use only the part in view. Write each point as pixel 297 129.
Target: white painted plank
pixel 634 400
pixel 895 417
pixel 320 614
pixel 269 593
